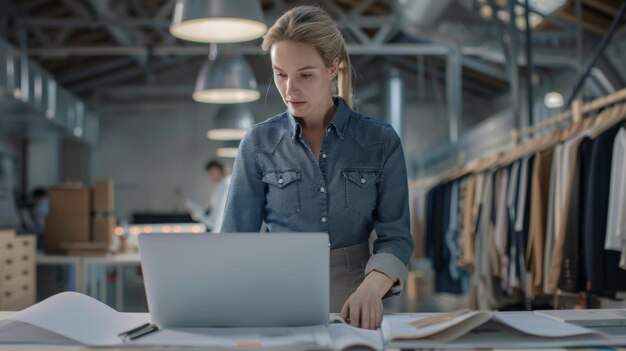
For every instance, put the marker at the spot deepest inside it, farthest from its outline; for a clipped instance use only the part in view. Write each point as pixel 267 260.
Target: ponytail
pixel 344 78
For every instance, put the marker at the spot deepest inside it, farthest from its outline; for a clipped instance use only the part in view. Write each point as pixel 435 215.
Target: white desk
pixel 58 260
pixel 91 271
pixel 617 331
pixel 99 265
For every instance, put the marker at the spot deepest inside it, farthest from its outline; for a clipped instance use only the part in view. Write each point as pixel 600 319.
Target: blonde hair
pixel 312 25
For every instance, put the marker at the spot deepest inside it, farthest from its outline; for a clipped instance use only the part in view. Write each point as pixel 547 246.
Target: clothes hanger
pixel 600 121
pixel 611 118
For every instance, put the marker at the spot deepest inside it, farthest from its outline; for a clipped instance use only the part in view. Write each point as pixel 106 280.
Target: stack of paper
pixel 72 318
pixel 482 329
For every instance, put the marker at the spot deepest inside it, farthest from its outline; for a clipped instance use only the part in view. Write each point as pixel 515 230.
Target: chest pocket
pixel 283 191
pixel 361 189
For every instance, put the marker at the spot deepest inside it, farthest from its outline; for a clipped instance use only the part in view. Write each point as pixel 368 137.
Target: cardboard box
pixel 69 200
pixel 103 196
pixel 62 228
pixel 103 229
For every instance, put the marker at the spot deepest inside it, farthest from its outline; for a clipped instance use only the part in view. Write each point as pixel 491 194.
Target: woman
pixel 321 167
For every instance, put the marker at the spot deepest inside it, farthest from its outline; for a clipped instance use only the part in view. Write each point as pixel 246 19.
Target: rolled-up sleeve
pixel 394 243
pixel 245 202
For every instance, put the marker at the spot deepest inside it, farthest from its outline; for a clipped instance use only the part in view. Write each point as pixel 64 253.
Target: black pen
pixel 135 333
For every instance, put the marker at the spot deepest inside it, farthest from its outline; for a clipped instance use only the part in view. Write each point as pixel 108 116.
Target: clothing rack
pixel 576 114
pixel 518 243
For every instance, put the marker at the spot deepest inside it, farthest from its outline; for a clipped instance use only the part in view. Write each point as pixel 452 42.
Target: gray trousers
pixel 347 272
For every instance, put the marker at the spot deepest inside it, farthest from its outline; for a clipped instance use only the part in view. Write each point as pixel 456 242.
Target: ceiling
pixel 94 45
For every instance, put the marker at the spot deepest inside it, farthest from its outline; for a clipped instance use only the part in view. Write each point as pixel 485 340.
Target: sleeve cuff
pixel 392 267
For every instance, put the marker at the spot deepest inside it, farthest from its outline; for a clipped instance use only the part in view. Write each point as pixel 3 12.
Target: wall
pixel 75 161
pixel 44 163
pixel 9 145
pixel 11 150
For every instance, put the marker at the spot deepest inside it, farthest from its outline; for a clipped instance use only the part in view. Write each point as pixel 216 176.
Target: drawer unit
pixel 15 298
pixel 17 271
pixel 17 277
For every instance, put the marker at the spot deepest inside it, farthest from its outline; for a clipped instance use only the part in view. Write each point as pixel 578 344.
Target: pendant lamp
pixel 231 123
pixel 218 21
pixel 229 149
pixel 226 80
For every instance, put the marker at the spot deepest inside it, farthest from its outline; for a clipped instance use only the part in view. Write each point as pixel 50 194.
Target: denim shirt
pixel 360 184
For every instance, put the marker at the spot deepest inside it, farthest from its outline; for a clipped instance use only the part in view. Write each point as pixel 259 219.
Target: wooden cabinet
pixel 17 271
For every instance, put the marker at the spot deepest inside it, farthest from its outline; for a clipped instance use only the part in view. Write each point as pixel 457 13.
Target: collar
pixel 337 123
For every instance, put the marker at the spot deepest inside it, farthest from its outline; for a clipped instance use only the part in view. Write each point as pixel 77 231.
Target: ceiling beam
pixel 162 14
pixel 543 57
pixel 103 12
pixel 602 6
pixel 52 22
pixel 591 21
pixel 9 10
pixel 361 7
pixel 199 50
pixel 122 76
pixel 78 74
pixel 484 68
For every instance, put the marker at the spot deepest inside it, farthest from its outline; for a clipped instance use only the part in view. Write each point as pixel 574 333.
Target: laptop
pixel 236 279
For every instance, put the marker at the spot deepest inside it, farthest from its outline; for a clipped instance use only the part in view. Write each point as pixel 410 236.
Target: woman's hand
pixel 364 308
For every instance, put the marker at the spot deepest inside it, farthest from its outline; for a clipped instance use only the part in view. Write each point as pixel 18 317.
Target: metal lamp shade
pixel 218 21
pixel 227 80
pixel 229 149
pixel 231 123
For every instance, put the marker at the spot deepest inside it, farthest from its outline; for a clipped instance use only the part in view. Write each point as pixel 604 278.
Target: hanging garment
pixel 568 164
pixel 571 278
pixel 418 220
pixel 502 224
pixel 512 206
pixel 458 272
pixel 476 212
pixel 540 189
pixel 467 234
pixel 459 223
pixel 482 273
pixel 616 220
pixel 487 294
pixel 451 233
pixel 550 233
pixel 434 212
pixel 437 250
pixel 523 222
pixel 602 266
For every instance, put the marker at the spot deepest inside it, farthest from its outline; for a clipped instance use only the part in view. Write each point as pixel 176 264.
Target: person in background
pixel 39 212
pixel 50 279
pixel 322 167
pixel 216 174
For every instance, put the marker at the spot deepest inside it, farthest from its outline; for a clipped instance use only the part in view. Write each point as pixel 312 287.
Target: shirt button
pixel 328 129
pixel 363 180
pixel 323 155
pixel 323 219
pixel 322 189
pixel 280 181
